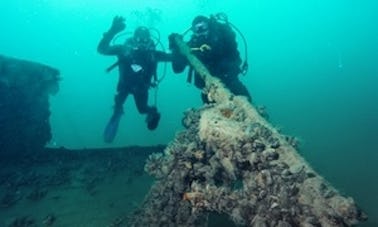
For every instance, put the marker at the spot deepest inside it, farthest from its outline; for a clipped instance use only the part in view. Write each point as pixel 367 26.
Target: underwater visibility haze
pixel 312 66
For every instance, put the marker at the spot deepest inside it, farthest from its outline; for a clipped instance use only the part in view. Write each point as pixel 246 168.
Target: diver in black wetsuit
pixel 214 44
pixel 137 63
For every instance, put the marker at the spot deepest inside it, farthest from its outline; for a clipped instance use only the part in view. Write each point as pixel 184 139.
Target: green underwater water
pixel 313 64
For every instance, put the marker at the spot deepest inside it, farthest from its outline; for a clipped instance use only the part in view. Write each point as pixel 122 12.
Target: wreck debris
pixel 24 104
pixel 240 166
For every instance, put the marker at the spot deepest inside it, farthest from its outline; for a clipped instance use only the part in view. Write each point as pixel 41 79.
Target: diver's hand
pixel 172 41
pixel 118 24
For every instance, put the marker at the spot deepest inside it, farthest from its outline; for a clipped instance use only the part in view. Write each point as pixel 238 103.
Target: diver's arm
pixel 104 46
pixel 163 56
pixel 178 61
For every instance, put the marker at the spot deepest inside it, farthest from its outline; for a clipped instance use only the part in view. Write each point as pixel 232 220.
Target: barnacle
pixel 199 154
pixel 226 112
pixel 191 196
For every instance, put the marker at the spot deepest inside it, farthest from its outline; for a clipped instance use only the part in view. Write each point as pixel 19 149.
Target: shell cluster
pixel 232 162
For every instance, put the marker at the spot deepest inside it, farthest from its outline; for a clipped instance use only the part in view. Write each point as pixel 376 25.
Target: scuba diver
pixel 137 64
pixel 214 44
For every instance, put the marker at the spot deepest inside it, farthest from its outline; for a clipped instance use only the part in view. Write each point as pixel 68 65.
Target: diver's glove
pixel 172 42
pixel 118 25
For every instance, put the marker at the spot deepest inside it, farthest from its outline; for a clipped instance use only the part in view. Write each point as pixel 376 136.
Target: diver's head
pixel 200 27
pixel 142 38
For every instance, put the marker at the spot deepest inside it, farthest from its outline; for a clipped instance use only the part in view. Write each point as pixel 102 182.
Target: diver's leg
pixel 112 127
pixel 141 101
pixel 119 100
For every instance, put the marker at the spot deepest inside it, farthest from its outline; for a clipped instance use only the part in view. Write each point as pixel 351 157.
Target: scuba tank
pixel 222 18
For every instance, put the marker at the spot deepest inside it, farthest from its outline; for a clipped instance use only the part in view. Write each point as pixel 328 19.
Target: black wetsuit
pixel 222 60
pixel 137 68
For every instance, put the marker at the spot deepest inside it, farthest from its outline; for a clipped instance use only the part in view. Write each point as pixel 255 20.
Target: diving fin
pixel 111 128
pixel 153 120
